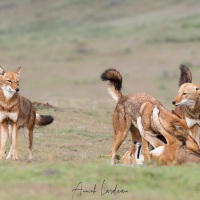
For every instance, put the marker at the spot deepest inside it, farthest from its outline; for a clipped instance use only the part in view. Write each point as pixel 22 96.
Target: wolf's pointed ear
pixel 185 76
pixel 18 71
pixel 1 71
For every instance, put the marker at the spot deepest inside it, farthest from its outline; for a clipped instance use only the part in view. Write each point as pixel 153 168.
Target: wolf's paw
pixel 30 157
pixel 9 155
pixel 14 155
pixel 15 158
pixel 2 154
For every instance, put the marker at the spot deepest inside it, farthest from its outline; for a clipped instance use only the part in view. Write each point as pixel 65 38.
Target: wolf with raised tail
pixel 134 111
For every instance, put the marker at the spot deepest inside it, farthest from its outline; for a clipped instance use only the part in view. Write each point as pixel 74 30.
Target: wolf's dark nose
pixel 17 89
pixel 135 142
pixel 174 102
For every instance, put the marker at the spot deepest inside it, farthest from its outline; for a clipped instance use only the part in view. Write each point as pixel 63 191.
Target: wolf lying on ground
pixel 16 112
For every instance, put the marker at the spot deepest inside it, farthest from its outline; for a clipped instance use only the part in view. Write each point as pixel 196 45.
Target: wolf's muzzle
pixel 174 102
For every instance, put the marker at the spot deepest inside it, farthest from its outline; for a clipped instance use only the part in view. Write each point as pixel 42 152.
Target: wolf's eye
pixel 184 93
pixel 9 81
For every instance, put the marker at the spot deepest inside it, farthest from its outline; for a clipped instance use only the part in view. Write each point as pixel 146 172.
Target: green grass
pixel 140 182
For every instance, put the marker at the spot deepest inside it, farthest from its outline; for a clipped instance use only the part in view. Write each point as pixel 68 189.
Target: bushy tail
pixel 185 76
pixel 115 82
pixel 43 120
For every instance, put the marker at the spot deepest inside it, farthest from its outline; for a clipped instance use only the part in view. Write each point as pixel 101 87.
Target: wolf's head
pixel 188 95
pixel 189 92
pixel 9 82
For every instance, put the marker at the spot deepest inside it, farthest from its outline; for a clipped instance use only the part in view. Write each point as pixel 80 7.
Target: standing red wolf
pixel 16 112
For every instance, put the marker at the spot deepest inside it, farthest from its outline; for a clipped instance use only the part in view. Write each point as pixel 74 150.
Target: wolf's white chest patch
pixel 2 116
pixel 7 91
pixel 192 122
pixel 12 116
pixel 9 115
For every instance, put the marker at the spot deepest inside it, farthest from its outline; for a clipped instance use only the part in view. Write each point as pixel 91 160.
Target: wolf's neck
pixel 194 112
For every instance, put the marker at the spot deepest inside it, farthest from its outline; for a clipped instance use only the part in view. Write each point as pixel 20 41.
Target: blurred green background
pixel 63 46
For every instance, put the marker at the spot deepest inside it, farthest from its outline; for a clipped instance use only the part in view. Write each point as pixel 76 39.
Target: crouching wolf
pixel 16 112
pixel 135 109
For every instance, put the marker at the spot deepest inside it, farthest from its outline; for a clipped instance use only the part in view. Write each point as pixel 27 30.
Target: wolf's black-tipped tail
pixel 43 120
pixel 115 80
pixel 185 76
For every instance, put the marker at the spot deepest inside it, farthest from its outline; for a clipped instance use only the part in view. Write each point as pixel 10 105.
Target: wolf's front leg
pixel 10 138
pixel 10 153
pixel 4 136
pixel 14 141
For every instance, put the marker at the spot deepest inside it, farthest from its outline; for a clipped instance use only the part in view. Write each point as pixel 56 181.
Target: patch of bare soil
pixel 39 105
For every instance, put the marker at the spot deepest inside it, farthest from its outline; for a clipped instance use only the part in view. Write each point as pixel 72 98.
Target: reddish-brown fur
pixel 188 103
pixel 16 112
pixel 174 152
pixel 130 107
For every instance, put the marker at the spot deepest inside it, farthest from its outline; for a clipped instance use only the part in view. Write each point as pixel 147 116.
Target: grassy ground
pixel 56 180
pixel 77 152
pixel 63 47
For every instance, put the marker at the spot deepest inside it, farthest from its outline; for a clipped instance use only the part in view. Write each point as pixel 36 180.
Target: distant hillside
pixel 78 39
pixel 51 29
